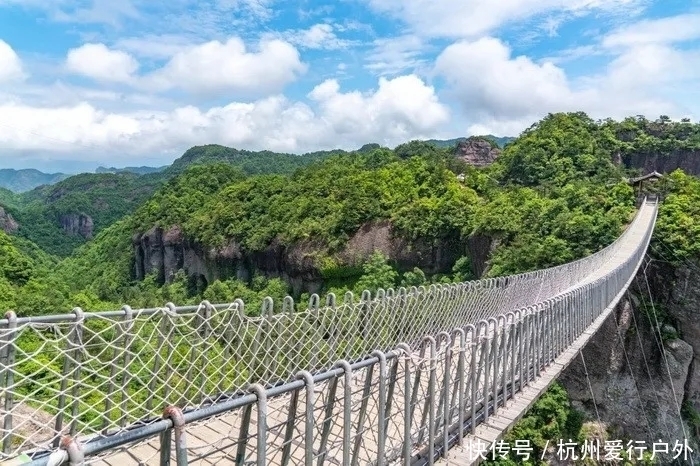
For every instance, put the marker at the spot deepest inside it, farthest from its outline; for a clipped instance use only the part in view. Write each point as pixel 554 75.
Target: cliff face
pixel 686 160
pixel 477 152
pixel 164 252
pixel 7 222
pixel 77 225
pixel 634 369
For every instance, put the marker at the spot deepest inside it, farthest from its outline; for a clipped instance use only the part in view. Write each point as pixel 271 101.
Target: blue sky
pixel 122 82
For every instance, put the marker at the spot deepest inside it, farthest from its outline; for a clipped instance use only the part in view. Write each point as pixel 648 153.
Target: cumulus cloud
pixel 501 93
pixel 203 69
pixel 487 79
pixel 10 64
pixel 398 109
pixel 215 66
pixel 98 62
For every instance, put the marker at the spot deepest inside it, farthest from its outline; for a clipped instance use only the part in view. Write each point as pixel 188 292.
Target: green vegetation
pixel 56 217
pixel 661 136
pixel 550 418
pixel 251 163
pixel 46 214
pixel 677 233
pixel 541 210
pixel 143 170
pixel 449 143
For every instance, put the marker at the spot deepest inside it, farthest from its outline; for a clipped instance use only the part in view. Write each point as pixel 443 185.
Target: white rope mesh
pixel 88 373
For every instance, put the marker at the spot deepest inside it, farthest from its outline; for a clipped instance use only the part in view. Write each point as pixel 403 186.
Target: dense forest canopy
pixel 555 194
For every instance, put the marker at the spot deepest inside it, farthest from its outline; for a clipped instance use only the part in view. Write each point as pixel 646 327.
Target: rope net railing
pixel 99 373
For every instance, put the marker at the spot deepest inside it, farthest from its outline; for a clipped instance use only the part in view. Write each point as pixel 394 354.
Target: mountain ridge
pixel 26 179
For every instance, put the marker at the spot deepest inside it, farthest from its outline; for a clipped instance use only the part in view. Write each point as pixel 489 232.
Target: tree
pixel 377 273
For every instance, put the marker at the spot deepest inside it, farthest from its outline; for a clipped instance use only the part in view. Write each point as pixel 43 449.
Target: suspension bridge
pixel 405 377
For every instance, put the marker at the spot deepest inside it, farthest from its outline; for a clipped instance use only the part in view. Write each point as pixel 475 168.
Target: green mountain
pixel 60 217
pixel 27 179
pixel 250 162
pixel 213 222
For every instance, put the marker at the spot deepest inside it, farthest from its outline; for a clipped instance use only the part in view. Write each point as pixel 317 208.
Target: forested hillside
pixel 554 194
pixel 60 217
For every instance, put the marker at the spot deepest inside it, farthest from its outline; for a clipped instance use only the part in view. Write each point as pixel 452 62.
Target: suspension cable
pixel 663 353
pixel 646 365
pixel 590 387
pixel 634 379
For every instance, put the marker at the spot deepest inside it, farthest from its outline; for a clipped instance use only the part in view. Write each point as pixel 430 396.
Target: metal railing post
pixel 261 395
pixel 309 417
pixel 7 379
pixel 175 415
pixel 381 408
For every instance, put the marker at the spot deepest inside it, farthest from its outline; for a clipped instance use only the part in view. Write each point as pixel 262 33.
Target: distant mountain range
pixel 24 180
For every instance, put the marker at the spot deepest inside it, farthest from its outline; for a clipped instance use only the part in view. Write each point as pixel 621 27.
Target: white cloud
pixel 652 66
pixel 471 18
pixel 398 109
pixel 318 36
pixel 98 62
pixel 10 64
pixel 664 30
pixel 500 93
pixel 487 79
pixel 215 67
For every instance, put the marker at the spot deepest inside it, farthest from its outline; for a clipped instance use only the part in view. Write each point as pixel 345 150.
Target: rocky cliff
pixel 164 252
pixel 477 152
pixel 77 225
pixel 642 364
pixel 7 223
pixel 686 160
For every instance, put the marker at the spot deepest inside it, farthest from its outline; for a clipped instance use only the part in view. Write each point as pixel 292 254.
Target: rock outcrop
pixel 686 160
pixel 630 388
pixel 7 223
pixel 477 152
pixel 77 225
pixel 641 377
pixel 165 252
